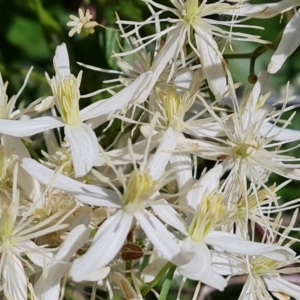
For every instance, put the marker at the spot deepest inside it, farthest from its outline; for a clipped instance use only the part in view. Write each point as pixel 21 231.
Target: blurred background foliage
pixel 30 30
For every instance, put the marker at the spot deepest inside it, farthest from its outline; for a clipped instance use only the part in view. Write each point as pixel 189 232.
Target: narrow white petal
pixel 122 156
pixel 89 194
pixel 163 240
pixel 199 266
pixel 61 60
pixel 46 287
pixel 14 281
pixel 38 256
pixel 152 269
pixel 84 147
pixel 235 244
pixel 211 62
pixel 170 50
pixel 182 165
pixel 289 43
pixel 29 127
pixel 119 100
pixel 208 183
pixel 160 159
pixel 269 129
pixel 278 284
pixel 14 146
pixel 169 215
pixel 107 243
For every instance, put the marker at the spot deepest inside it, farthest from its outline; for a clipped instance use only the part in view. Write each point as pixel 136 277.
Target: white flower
pixel 82 139
pixel 140 191
pixel 192 21
pixel 205 212
pixel 82 24
pixel 16 237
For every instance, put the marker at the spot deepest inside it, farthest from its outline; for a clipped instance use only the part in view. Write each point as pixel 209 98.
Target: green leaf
pixel 28 35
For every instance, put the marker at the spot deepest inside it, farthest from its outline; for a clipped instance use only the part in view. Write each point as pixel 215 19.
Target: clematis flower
pixel 141 190
pixel 82 24
pixel 82 139
pixel 16 241
pixel 205 212
pixel 264 272
pixel 192 21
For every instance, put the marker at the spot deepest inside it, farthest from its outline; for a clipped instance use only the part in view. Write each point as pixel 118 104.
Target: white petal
pixel 14 146
pixel 98 274
pixel 211 62
pixel 235 244
pixel 289 43
pixel 152 269
pixel 170 50
pixel 37 255
pixel 14 280
pixel 163 240
pixel 208 183
pixel 107 243
pixel 119 100
pixel 182 165
pixel 61 60
pixel 278 284
pixel 30 127
pixel 269 129
pixel 199 266
pixel 84 147
pixel 160 159
pixel 122 156
pixel 169 215
pixel 47 287
pixel 89 194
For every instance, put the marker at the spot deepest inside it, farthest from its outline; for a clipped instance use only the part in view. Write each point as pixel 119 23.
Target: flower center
pixel 190 11
pixel 209 213
pixel 67 99
pixel 262 265
pixel 6 224
pixel 245 150
pixel 140 187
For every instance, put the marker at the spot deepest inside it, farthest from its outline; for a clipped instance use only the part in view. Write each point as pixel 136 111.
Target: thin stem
pixel 166 286
pixel 154 282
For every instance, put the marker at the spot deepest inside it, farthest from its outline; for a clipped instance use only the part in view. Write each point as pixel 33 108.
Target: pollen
pixel 140 183
pixel 209 213
pixel 67 98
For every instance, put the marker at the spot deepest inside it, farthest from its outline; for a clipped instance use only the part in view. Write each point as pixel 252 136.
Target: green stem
pixel 155 281
pixel 128 269
pixel 166 286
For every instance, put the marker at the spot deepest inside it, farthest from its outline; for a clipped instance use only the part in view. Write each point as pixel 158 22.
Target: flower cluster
pixel 121 217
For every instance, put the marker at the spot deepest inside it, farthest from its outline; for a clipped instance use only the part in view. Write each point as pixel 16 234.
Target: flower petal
pixel 48 288
pixel 160 159
pixel 84 147
pixel 235 244
pixel 206 184
pixel 89 194
pixel 278 284
pixel 131 93
pixel 289 43
pixel 107 243
pixel 163 240
pixel 14 281
pixel 29 127
pixel 169 215
pixel 211 62
pixel 199 266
